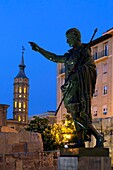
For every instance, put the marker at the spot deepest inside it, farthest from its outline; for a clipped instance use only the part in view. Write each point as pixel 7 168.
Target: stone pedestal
pixel 84 159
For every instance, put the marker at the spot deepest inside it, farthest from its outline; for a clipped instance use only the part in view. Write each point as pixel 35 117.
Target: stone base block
pixel 84 159
pixel 84 163
pixel 83 152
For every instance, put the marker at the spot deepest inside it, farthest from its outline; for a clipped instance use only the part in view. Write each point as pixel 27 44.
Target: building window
pixel 95 53
pixel 106 49
pixel 97 70
pixel 95 113
pixel 105 89
pixel 105 109
pixel 105 68
pixel 20 89
pixel 96 93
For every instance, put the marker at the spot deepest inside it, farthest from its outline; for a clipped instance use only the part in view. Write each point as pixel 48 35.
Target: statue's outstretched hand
pixel 34 46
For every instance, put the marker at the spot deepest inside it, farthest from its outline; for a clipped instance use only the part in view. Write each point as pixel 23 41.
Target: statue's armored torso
pixel 71 62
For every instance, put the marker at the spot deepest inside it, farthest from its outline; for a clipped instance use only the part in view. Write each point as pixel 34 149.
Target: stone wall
pixel 22 142
pixel 24 151
pixel 3 114
pixel 29 161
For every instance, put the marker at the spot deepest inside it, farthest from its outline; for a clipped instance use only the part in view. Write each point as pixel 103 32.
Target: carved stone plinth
pixel 84 159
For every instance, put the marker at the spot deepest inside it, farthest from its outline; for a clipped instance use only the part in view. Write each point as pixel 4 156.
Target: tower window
pixel 24 89
pixel 15 104
pixel 24 105
pixel 20 104
pixel 19 118
pixel 16 90
pixel 20 89
pixel 23 119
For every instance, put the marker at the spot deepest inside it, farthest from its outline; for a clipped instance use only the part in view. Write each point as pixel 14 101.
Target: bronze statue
pixel 79 86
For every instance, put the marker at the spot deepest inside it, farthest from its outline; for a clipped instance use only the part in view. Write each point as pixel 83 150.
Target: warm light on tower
pixel 21 85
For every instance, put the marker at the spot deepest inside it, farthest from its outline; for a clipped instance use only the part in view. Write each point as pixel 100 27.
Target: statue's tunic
pixel 80 79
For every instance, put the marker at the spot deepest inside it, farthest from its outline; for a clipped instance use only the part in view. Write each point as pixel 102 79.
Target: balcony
pixel 100 54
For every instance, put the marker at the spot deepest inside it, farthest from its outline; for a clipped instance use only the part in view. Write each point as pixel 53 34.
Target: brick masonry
pixel 29 161
pixel 24 151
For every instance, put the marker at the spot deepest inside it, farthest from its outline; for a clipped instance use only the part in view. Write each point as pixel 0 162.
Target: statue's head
pixel 73 36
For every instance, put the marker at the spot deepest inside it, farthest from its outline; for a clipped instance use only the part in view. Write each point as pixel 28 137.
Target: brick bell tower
pixel 21 93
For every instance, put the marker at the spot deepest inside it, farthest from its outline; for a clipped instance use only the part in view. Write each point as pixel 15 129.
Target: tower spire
pixel 22 66
pixel 23 49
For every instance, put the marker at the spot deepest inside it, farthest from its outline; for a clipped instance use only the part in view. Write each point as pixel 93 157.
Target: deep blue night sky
pixel 44 22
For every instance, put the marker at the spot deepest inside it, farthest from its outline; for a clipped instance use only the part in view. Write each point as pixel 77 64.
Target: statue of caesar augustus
pixel 79 86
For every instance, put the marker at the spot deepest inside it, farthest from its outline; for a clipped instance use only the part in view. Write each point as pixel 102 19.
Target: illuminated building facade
pixel 21 94
pixel 102 52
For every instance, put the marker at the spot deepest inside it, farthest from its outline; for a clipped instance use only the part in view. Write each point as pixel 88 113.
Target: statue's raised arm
pixel 51 56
